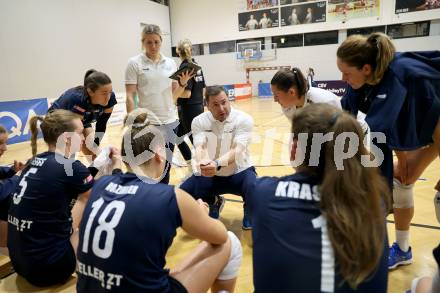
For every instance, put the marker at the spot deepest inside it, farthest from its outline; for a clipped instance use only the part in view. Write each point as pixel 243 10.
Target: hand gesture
pixel 18 166
pixel 208 169
pixel 185 77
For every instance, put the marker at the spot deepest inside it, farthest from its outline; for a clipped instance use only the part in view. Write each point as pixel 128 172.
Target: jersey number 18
pixel 104 226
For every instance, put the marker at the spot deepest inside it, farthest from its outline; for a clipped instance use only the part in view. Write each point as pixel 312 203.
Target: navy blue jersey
pixel 6 172
pixel 40 222
pixel 75 101
pixel 405 105
pixel 7 186
pixel 195 85
pixel 127 227
pixel 291 248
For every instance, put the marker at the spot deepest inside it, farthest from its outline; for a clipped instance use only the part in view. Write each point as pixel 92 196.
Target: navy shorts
pixel 176 286
pixel 207 188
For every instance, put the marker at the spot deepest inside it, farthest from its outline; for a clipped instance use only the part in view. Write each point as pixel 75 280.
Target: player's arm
pixel 130 91
pixel 8 186
pixel 78 208
pixel 231 156
pixel 88 148
pixel 196 221
pixel 101 124
pixel 242 139
pixel 200 140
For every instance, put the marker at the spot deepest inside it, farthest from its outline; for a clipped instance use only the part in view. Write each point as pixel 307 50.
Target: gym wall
pixel 204 21
pixel 46 46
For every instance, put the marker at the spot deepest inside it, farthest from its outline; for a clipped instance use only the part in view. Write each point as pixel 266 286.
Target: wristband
pixel 218 167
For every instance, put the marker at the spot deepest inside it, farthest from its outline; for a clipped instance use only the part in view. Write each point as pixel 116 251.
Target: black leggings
pixel 186 115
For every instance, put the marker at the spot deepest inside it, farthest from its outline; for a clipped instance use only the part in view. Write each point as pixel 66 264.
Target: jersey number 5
pixel 17 197
pixel 104 226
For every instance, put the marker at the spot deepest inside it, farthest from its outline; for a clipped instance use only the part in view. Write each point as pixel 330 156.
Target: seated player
pixel 221 139
pixel 7 172
pixel 8 183
pixel 131 220
pixel 321 229
pixel 48 202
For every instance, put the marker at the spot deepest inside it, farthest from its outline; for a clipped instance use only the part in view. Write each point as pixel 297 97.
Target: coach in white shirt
pixel 222 164
pixel 148 75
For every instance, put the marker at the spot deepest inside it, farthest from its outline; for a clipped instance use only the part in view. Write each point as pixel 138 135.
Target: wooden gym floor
pixel 270 154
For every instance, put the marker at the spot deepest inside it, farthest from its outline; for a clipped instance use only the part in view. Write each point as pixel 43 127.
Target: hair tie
pixel 39 122
pixel 141 125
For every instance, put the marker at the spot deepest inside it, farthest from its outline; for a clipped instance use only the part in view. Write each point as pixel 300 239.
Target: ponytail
pixel 385 54
pixel 54 124
pixel 34 132
pixel 354 200
pixel 140 139
pixel 93 80
pixel 285 79
pixel 184 50
pixel 376 49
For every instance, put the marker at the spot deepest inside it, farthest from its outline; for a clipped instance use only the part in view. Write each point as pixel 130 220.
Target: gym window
pixel 288 41
pixel 321 38
pixel 221 47
pixel 365 30
pixel 409 30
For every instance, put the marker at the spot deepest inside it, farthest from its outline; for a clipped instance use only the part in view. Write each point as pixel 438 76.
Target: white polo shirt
pixel 154 87
pixel 318 95
pixel 315 95
pixel 221 136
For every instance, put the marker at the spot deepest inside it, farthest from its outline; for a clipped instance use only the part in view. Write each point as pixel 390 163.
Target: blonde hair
pixel 354 200
pixel 184 49
pixel 52 125
pixel 375 49
pixel 140 138
pixel 151 29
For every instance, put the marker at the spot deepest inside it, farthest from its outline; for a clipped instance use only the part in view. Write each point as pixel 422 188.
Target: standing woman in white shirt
pixel 148 75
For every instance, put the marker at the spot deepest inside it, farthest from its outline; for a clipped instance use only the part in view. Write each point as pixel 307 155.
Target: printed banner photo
pixel 15 116
pixel 303 13
pixel 343 10
pixel 403 6
pixel 259 19
pixel 257 4
pixel 286 2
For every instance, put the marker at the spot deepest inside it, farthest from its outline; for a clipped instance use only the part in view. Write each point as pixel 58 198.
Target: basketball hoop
pixel 248 54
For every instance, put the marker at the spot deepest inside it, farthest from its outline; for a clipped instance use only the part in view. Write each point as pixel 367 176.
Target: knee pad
pixel 403 195
pixel 230 271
